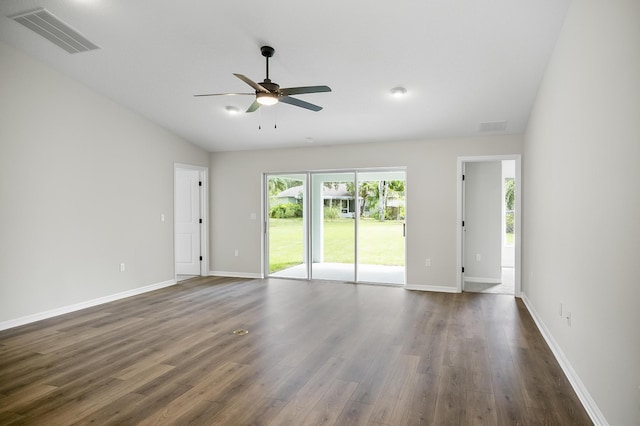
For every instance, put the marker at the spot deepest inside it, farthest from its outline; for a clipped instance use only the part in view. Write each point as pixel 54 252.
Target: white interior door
pixel 187 222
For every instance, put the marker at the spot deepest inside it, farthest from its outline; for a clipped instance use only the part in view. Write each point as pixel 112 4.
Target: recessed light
pixel 398 92
pixel 232 109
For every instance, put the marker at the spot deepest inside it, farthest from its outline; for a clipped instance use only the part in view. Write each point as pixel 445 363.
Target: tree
pixel 383 195
pixel 367 194
pixel 509 193
pixel 277 184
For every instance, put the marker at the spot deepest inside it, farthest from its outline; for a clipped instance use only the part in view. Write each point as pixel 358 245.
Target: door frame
pixel 518 216
pixel 204 214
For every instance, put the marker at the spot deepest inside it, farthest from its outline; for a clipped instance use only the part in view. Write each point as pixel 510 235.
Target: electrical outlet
pixel 122 267
pixel 162 217
pixel 237 253
pixel 427 263
pixel 478 257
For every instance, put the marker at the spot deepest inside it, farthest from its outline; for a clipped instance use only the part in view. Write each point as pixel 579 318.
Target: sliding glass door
pixel 333 241
pixel 342 225
pixel 381 228
pixel 286 240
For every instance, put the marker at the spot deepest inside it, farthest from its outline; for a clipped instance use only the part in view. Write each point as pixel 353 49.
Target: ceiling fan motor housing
pixel 269 85
pixel 267 51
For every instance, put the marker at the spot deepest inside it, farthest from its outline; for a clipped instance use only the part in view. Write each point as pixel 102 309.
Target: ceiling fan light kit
pixel 267 99
pixel 269 93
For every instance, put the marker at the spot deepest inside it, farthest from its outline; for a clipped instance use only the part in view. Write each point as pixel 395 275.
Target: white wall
pixel 431 198
pixel 582 202
pixel 483 220
pixel 83 182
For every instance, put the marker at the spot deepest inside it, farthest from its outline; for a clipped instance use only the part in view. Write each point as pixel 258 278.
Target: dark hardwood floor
pixel 316 353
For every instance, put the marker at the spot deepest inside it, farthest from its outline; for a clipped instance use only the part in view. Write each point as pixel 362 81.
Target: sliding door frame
pixel 308 209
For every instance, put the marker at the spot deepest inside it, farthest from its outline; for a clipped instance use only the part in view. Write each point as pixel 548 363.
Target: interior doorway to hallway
pixel 489 213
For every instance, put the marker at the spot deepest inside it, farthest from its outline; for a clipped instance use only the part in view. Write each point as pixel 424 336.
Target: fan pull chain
pixel 259 119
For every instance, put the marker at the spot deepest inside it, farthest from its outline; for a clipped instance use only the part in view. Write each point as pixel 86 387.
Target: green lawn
pixel 380 243
pixel 509 238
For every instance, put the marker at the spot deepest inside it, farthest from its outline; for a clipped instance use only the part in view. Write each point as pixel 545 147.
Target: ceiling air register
pixel 42 22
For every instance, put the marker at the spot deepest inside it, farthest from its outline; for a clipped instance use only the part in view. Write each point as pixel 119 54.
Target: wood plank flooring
pixel 316 353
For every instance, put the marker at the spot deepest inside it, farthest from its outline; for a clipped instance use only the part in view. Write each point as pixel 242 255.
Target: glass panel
pixel 509 211
pixel 333 208
pixel 286 229
pixel 381 227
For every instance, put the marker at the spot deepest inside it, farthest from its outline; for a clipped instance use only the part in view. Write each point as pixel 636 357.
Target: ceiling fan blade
pixel 224 94
pixel 251 83
pixel 297 102
pixel 300 90
pixel 254 106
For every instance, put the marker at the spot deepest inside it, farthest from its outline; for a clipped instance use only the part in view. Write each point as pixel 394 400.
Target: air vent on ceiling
pixel 53 29
pixel 493 126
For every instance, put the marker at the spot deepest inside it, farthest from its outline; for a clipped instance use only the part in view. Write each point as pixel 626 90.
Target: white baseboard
pixel 235 274
pixel 83 305
pixel 583 394
pixel 483 280
pixel 435 288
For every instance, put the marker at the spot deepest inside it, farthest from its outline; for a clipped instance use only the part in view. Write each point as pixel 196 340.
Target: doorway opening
pixel 337 225
pixel 190 221
pixel 489 232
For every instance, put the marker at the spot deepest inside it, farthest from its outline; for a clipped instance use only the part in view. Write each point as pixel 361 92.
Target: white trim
pixel 518 216
pixel 583 394
pixel 483 280
pixel 434 288
pixel 83 305
pixel 236 274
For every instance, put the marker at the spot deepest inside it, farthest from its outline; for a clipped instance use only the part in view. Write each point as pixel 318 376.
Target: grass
pixel 381 243
pixel 509 238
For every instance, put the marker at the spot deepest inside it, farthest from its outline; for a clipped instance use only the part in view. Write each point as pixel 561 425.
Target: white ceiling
pixel 462 62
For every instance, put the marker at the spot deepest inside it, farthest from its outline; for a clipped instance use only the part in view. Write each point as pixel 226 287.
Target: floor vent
pixel 493 126
pixel 53 29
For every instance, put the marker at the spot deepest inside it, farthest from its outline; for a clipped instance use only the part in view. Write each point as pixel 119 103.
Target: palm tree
pixel 277 184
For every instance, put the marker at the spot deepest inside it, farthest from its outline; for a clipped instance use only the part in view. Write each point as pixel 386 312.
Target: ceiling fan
pixel 270 93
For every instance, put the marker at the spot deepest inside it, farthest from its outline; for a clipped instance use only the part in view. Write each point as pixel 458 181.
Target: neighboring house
pixel 290 195
pixel 338 197
pixel 333 196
